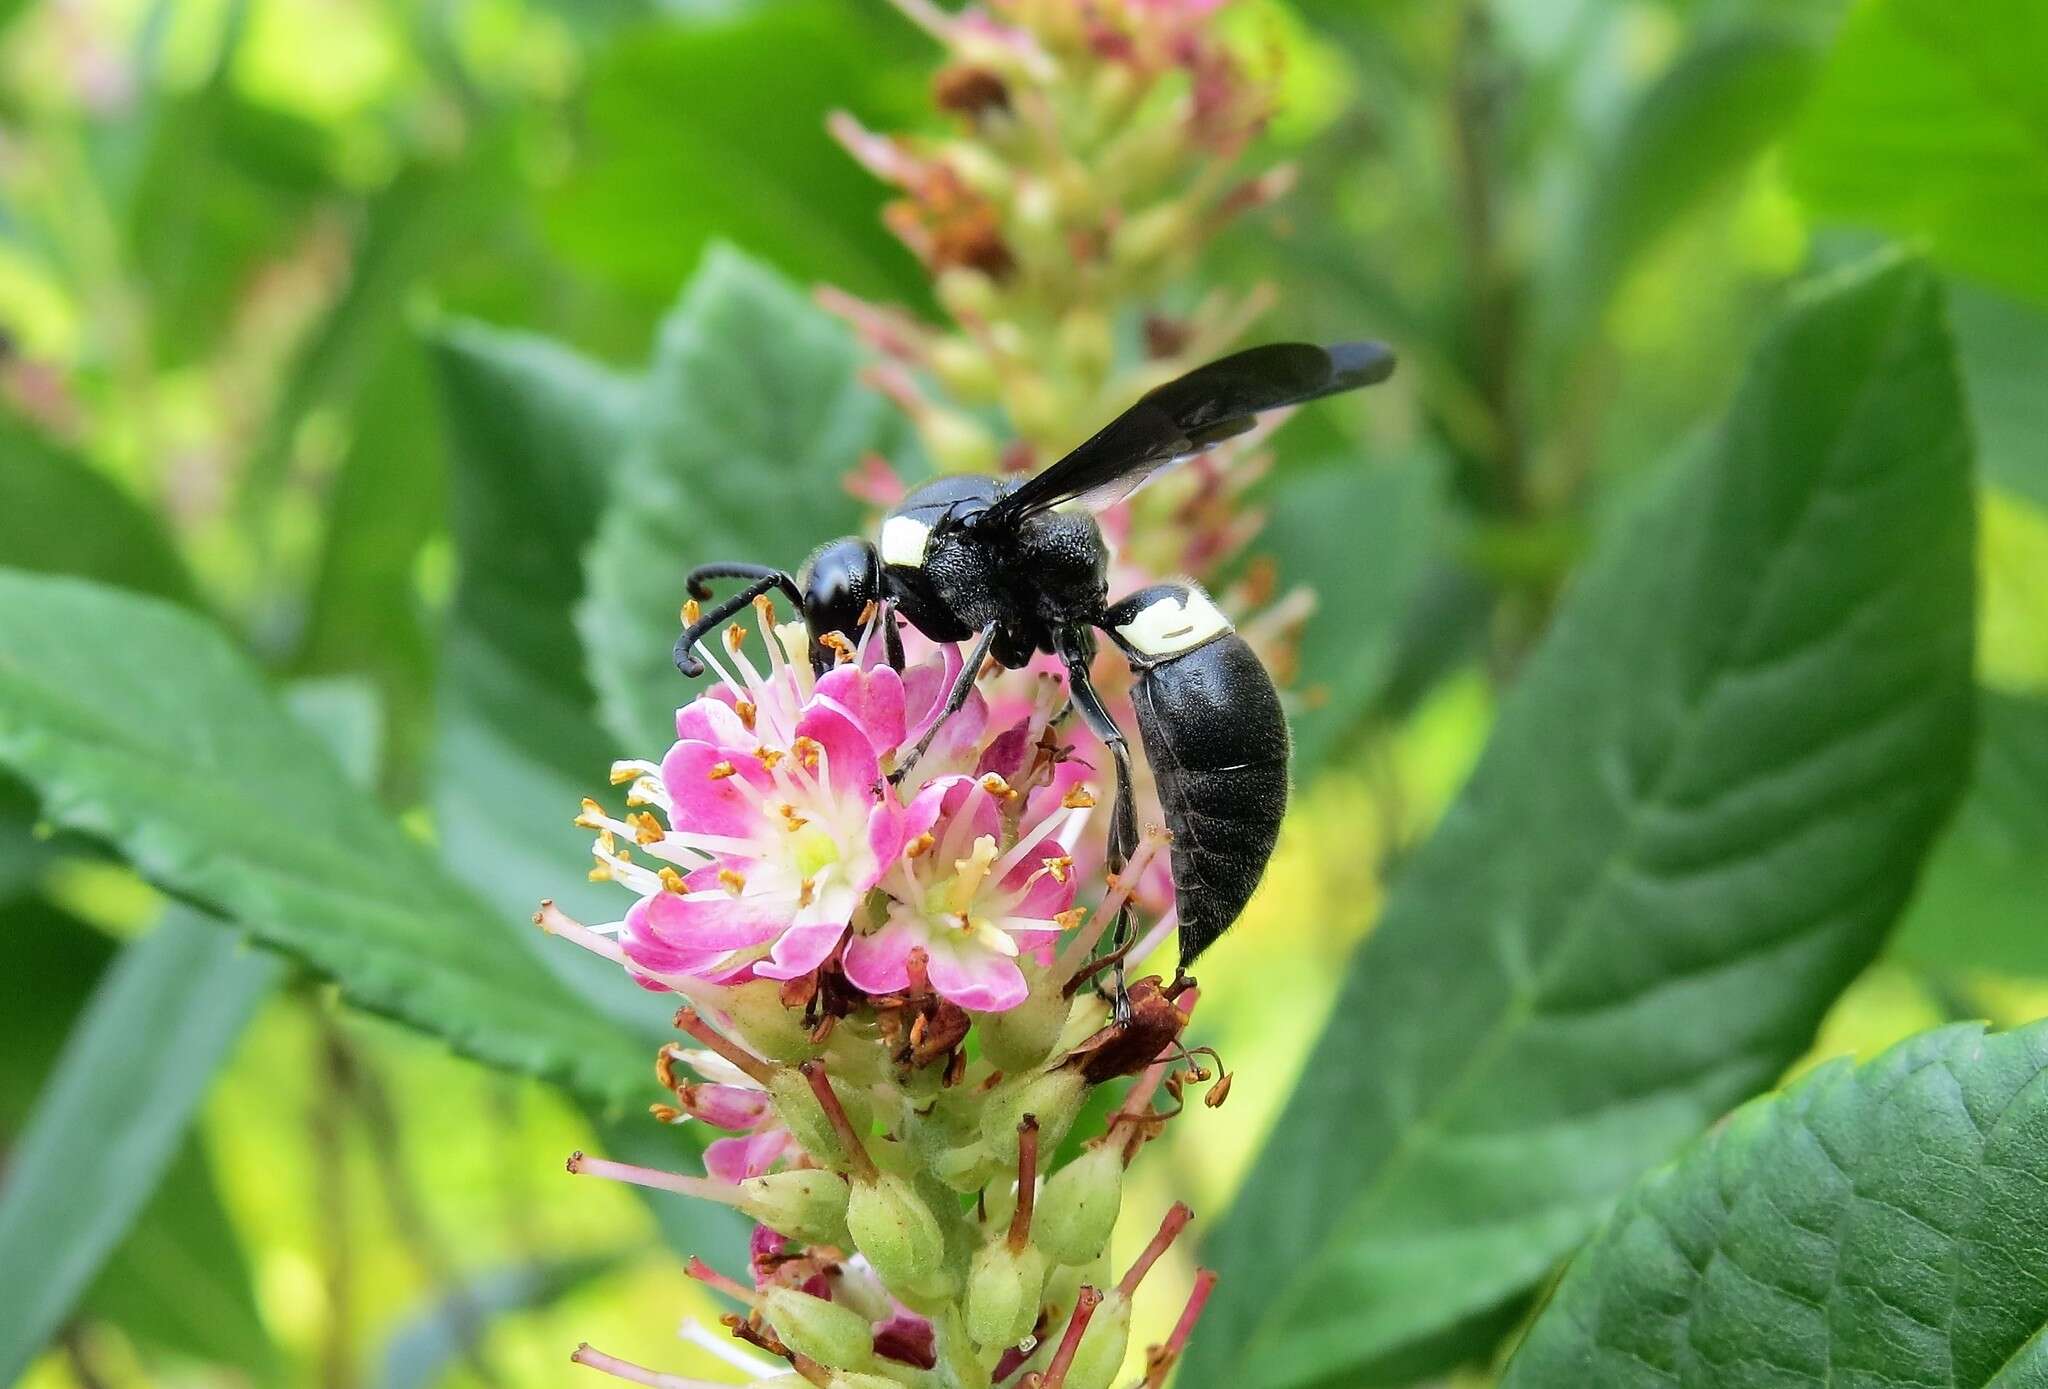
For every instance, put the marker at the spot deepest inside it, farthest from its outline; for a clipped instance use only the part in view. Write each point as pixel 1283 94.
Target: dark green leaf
pixel 60 515
pixel 1873 1225
pixel 209 788
pixel 1359 537
pixel 2004 348
pixel 535 433
pixel 753 415
pixel 1703 805
pixel 1932 120
pixel 76 1179
pixel 1981 901
pixel 717 130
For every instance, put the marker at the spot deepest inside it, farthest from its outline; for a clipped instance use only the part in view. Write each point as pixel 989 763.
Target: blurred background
pixel 248 246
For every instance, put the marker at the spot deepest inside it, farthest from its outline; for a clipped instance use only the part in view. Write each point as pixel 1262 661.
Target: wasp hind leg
pixel 1074 651
pixel 956 700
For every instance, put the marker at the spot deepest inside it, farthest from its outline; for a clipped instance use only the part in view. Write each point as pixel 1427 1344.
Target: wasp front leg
pixel 1075 650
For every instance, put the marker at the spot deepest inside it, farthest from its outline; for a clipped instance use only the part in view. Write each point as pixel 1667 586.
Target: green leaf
pixel 179 1281
pixel 1360 538
pixel 1980 902
pixel 1702 807
pixel 1687 133
pixel 1873 1225
pixel 1932 120
pixel 202 781
pixel 535 434
pixel 2004 347
pixel 76 1181
pixel 430 1343
pixel 753 415
pixel 60 515
pixel 717 130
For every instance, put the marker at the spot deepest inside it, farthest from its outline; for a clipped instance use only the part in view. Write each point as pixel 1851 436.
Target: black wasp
pixel 991 560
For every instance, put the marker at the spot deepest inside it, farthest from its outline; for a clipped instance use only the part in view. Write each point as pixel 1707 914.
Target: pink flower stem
pixel 756 1070
pixel 1169 1230
pixel 1027 1183
pixel 712 1278
pixel 1056 1373
pixel 1161 1361
pixel 703 1188
pixel 835 1114
pixel 556 922
pixel 636 1374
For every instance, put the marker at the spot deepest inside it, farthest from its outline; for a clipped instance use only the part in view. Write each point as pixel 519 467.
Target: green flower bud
pixel 853 1379
pixel 966 370
pixel 1054 1096
pixel 1003 1285
pixel 1078 1208
pixel 958 443
pixel 797 1107
pixel 1088 343
pixel 1151 235
pixel 825 1331
pixel 1101 1353
pixel 966 1168
pixel 766 1024
pixel 806 1204
pixel 966 293
pixel 892 1225
pixel 1021 1038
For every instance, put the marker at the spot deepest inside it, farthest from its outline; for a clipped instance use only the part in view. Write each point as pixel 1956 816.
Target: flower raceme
pixel 887 988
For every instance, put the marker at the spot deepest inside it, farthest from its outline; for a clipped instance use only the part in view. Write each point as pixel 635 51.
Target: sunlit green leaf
pixel 1702 807
pixel 1873 1225
pixel 752 416
pixel 75 1181
pixel 1932 120
pixel 201 780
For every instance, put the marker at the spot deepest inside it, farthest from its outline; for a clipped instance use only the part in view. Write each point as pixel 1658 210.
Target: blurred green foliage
pixel 351 339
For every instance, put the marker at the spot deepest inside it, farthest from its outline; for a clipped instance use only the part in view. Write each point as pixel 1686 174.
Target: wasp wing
pixel 1192 413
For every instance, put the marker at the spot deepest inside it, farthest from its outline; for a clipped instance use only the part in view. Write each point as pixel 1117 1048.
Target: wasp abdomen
pixel 1217 740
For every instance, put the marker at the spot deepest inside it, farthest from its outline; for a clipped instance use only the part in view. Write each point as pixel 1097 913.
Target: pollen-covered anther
pixel 666 1113
pixel 1219 1092
pixel 996 786
pixel 623 772
pixel 691 612
pixel 646 829
pixel 920 846
pixel 671 880
pixel 1059 866
pixel 1071 917
pixel 808 751
pixel 769 758
pixel 732 882
pixel 1080 798
pixel 806 892
pixel 748 712
pixel 790 819
pixel 838 645
pixel 720 771
pixel 600 873
pixel 592 816
pixel 765 606
pixel 735 638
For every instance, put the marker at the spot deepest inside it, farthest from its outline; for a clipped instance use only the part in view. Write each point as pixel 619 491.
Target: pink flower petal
pixel 728 1106
pixel 873 699
pixel 801 950
pixel 979 980
pixel 708 804
pixel 736 1159
pixel 850 768
pixel 707 919
pixel 885 841
pixel 930 802
pixel 1006 752
pixel 708 719
pixel 880 963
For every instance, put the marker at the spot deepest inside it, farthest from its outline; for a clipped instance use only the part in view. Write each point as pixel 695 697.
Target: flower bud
pixel 892 1225
pixel 1086 339
pixel 967 294
pixel 966 370
pixel 958 443
pixel 800 1111
pixel 1055 1097
pixel 825 1331
pixel 1103 1344
pixel 806 1204
pixel 965 1168
pixel 1149 236
pixel 1021 1038
pixel 1003 1285
pixel 1077 1210
pixel 853 1379
pixel 765 1024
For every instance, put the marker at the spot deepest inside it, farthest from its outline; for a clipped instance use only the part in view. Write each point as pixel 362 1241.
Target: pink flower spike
pixel 1077 1326
pixel 636 1374
pixel 1177 1218
pixel 701 1187
pixel 1160 1360
pixel 555 922
pixel 712 1278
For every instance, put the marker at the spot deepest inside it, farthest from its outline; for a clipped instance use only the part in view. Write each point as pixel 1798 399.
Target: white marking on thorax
pixel 903 541
pixel 1173 625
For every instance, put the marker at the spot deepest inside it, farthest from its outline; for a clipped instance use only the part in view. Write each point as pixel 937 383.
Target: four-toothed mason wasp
pixel 991 560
